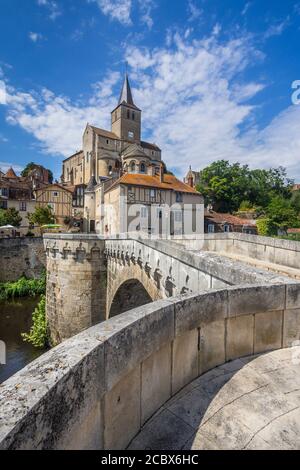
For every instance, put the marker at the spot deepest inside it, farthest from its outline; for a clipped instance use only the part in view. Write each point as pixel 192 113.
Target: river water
pixel 15 318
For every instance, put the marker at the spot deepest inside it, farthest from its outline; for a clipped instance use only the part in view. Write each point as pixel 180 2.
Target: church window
pixel 132 167
pixel 130 135
pixel 109 169
pixel 133 116
pixel 143 168
pixel 128 114
pixel 107 141
pixel 117 165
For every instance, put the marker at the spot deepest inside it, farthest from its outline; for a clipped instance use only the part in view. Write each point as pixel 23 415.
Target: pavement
pixel 249 403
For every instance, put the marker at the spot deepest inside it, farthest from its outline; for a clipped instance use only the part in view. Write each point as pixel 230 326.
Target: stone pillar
pixel 76 284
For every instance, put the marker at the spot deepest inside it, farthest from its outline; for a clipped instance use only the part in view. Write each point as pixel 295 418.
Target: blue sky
pixel 213 78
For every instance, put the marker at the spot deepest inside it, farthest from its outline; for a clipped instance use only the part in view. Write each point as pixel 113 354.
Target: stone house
pixel 120 170
pixel 17 192
pixel 216 222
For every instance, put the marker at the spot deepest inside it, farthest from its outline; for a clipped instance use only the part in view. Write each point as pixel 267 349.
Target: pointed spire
pixel 126 95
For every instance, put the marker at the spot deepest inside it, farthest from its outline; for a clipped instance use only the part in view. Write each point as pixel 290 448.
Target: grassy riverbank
pixel 23 287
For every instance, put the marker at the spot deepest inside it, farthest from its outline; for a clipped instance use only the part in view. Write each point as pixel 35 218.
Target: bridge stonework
pixel 85 275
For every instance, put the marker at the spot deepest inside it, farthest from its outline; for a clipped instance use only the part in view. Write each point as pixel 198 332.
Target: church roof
pixel 10 173
pixel 170 182
pixel 126 95
pixel 104 133
pixel 134 150
pixel 147 145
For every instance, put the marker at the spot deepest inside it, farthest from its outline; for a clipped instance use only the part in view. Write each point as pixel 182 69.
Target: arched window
pixel 132 167
pixel 109 169
pixel 117 165
pixel 143 168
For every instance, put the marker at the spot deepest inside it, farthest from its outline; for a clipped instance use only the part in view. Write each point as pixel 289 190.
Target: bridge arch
pixel 129 295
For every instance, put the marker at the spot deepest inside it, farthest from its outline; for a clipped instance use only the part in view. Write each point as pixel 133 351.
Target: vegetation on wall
pixel 10 217
pixel 31 166
pixel 41 216
pixel 38 335
pixel 23 287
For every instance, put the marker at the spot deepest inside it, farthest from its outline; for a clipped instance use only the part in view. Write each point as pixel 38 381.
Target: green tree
pixel 10 217
pixel 41 216
pixel 226 186
pixel 30 166
pixel 281 213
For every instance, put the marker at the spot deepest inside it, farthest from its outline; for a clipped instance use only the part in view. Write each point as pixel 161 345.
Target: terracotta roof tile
pixel 170 182
pixel 221 218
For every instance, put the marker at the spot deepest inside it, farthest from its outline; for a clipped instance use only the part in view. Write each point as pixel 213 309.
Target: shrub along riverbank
pixel 23 287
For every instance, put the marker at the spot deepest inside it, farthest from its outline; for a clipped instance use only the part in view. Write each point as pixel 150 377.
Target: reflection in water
pixel 15 318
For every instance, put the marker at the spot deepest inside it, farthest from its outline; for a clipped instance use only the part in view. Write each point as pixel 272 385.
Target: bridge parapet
pixel 86 273
pixel 97 389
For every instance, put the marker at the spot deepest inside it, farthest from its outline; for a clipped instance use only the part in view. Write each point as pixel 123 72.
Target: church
pixel 120 182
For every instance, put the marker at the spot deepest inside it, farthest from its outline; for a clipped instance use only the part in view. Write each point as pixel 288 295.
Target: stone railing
pixel 97 389
pixel 272 250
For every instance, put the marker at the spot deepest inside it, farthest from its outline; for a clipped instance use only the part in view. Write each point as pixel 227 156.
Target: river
pixel 15 318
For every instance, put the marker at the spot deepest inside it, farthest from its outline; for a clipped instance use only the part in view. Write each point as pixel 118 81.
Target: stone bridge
pixel 100 388
pixel 91 279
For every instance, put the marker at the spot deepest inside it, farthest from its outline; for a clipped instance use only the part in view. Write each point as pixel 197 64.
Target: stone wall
pixel 76 285
pixel 97 389
pixel 21 256
pixel 271 250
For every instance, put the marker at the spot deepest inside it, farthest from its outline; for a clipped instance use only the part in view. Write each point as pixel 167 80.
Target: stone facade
pixel 106 157
pixel 21 256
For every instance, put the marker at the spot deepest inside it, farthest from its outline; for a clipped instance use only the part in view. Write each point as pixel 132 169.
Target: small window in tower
pixel 133 116
pixel 143 168
pixel 128 114
pixel 130 135
pixel 107 141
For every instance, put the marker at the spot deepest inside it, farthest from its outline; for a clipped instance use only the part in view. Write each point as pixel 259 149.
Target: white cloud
pixel 277 29
pixel 193 11
pixel 52 6
pixel 35 37
pixel 246 8
pixel 146 7
pixel 2 92
pixel 116 9
pixel 194 98
pixel 3 138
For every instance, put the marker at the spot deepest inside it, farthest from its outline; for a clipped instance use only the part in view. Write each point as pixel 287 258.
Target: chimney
pixel 161 174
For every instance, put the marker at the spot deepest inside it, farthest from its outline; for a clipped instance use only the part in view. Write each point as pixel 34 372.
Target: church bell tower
pixel 126 117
